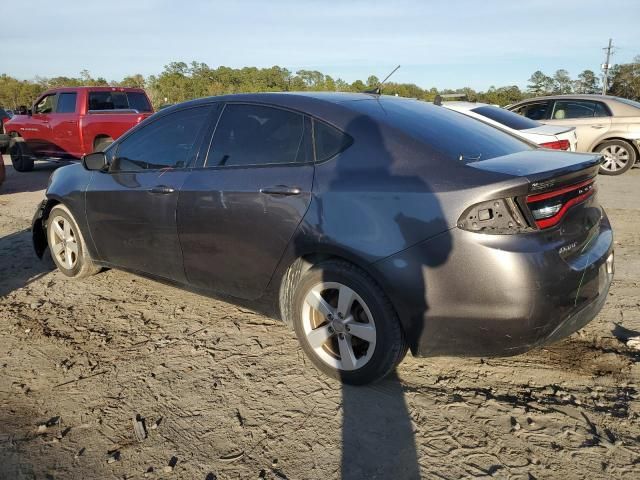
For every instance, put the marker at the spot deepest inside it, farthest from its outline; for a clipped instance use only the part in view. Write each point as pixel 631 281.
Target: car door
pixel 238 212
pixel 37 131
pixel 131 208
pixel 64 125
pixel 592 119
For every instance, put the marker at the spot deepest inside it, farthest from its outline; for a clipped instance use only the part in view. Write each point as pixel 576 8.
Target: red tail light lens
pixel 549 208
pixel 557 145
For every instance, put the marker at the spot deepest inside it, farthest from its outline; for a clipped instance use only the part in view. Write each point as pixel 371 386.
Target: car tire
pixel 100 144
pixel 327 330
pixel 619 156
pixel 21 157
pixel 67 246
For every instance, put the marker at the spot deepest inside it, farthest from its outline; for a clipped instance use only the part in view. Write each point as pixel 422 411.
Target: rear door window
pixel 259 135
pixel 568 109
pixel 66 102
pixel 169 142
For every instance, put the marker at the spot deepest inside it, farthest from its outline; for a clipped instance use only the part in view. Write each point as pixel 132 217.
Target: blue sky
pixel 442 44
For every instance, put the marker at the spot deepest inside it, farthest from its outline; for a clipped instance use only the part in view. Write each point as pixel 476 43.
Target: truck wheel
pixel 619 157
pixel 101 143
pixel 21 158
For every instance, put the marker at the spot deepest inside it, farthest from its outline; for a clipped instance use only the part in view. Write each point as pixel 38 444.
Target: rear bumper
pixel 496 295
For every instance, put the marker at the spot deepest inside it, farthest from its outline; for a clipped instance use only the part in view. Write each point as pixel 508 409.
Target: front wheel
pixel 346 324
pixel 21 157
pixel 619 157
pixel 66 244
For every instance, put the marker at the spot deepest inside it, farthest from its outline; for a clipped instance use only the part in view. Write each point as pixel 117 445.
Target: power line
pixel 605 68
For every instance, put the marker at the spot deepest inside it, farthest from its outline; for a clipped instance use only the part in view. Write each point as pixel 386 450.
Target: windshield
pixel 505 117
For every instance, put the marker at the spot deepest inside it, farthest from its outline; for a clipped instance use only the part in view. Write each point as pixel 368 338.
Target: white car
pixel 547 136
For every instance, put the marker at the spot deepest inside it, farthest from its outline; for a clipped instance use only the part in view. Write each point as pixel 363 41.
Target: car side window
pixel 601 110
pixel 568 109
pixel 258 135
pixel 329 141
pixel 47 104
pixel 168 142
pixel 534 111
pixel 66 102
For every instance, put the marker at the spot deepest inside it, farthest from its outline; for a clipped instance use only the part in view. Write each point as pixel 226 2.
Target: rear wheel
pixel 21 157
pixel 66 245
pixel 346 324
pixel 619 156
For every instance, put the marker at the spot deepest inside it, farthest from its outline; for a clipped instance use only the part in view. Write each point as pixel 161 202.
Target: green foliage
pixel 180 81
pixel 625 80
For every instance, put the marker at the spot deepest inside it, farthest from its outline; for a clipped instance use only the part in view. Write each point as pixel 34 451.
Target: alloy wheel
pixel 64 243
pixel 616 158
pixel 339 326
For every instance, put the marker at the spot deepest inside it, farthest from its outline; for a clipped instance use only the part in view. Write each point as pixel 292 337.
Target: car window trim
pixel 192 158
pixel 277 164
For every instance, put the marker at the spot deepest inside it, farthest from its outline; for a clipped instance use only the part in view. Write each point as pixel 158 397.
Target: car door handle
pixel 597 126
pixel 281 190
pixel 162 189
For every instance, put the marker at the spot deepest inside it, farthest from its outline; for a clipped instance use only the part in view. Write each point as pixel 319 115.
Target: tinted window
pixel 257 135
pixel 66 103
pixel 329 141
pixel 139 101
pixel 505 117
pixel 601 110
pixel 455 136
pixel 534 111
pixel 167 142
pixel 46 104
pixel 577 109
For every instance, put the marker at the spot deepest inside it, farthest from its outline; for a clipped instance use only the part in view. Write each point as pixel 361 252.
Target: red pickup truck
pixel 67 123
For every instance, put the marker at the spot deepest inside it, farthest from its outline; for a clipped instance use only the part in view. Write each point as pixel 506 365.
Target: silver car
pixel 604 124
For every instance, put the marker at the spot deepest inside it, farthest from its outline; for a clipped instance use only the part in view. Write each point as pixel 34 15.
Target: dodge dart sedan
pixel 370 224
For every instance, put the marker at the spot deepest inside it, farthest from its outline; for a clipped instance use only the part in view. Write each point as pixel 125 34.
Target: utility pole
pixel 605 68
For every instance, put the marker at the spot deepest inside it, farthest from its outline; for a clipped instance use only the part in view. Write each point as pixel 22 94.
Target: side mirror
pixel 22 110
pixel 95 161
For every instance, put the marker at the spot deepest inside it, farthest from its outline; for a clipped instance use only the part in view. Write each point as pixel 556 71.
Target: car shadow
pixel 21 266
pixel 33 181
pixel 378 435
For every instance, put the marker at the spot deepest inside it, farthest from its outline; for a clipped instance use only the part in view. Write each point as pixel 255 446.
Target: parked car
pixel 605 124
pixel 546 136
pixel 66 123
pixel 370 224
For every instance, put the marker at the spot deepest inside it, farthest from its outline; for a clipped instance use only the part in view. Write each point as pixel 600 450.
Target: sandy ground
pixel 226 393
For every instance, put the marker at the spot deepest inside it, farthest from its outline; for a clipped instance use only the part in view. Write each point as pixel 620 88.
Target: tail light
pixel 548 208
pixel 557 145
pixel 504 215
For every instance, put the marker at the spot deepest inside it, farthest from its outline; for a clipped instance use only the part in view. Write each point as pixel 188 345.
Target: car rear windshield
pixel 106 100
pixel 457 137
pixel 505 117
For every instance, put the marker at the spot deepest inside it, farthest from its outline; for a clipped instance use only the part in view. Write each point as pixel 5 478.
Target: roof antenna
pixel 378 89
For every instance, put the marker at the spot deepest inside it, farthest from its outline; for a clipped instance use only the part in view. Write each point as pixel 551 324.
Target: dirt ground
pixel 225 393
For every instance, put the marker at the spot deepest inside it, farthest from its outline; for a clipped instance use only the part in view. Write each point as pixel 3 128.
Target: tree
pixel 540 84
pixel 625 80
pixel 562 83
pixel 135 81
pixel 587 83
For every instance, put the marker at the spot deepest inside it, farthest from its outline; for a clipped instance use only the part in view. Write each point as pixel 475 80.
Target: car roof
pixel 617 107
pixel 94 89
